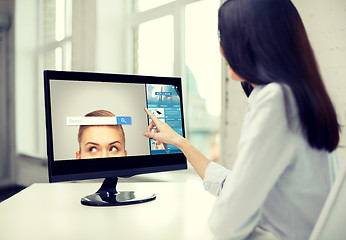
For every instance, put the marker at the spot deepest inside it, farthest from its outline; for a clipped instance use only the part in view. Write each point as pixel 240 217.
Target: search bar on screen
pixel 119 120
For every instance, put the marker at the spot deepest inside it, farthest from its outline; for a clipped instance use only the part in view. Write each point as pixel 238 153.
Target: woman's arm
pixel 164 133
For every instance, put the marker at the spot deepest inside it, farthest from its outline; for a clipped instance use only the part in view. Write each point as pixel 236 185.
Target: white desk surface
pixel 53 211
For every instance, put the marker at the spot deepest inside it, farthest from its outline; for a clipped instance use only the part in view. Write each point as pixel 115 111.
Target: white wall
pixel 110 55
pixel 26 38
pixel 325 22
pixel 100 36
pixel 83 35
pixel 7 150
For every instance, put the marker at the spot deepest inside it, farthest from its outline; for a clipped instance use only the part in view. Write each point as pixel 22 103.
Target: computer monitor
pixel 95 124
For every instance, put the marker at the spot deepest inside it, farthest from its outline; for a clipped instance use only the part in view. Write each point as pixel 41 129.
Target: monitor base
pixel 107 195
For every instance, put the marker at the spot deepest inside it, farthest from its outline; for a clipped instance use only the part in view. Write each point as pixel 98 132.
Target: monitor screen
pixel 95 124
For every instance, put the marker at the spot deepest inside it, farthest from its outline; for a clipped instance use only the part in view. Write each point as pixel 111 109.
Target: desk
pixel 53 211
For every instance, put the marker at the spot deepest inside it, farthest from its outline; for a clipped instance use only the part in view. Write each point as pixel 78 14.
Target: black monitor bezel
pixel 68 170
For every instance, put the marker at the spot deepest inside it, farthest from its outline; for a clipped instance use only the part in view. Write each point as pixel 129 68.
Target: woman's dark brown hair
pixel 265 41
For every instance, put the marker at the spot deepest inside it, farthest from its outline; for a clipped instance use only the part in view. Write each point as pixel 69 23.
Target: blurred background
pixel 147 37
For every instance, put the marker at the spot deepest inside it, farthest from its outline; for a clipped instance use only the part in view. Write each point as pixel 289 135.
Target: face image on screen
pixel 100 141
pixel 74 103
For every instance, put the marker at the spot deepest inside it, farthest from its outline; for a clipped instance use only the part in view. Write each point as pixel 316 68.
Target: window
pixel 179 38
pixel 203 76
pixel 46 26
pixel 169 38
pixel 155 44
pixel 55 49
pixel 55 35
pixel 144 5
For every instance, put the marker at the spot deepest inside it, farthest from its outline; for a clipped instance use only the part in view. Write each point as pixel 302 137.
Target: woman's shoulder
pixel 275 95
pixel 273 91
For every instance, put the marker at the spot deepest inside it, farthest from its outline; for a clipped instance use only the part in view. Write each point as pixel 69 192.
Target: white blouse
pixel 278 182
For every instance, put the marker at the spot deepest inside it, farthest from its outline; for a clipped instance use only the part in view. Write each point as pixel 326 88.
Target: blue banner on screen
pixel 164 102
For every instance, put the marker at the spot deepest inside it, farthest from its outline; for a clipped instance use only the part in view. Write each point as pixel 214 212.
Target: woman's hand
pixel 161 132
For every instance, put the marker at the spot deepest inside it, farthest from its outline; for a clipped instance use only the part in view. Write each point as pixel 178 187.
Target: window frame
pixel 177 10
pixel 33 73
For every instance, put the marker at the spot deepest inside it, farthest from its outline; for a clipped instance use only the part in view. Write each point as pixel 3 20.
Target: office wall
pixel 83 35
pixel 6 93
pixel 26 77
pixel 325 22
pixel 99 36
pixel 111 38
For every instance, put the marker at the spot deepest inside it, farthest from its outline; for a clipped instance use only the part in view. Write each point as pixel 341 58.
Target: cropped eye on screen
pixel 113 149
pixel 102 150
pixel 93 149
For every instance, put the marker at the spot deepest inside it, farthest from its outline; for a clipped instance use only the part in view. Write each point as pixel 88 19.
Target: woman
pixel 280 179
pixel 101 141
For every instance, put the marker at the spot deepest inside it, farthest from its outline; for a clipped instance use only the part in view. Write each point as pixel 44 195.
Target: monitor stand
pixel 107 195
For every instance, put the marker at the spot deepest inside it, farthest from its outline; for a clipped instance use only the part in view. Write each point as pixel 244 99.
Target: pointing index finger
pixel 151 115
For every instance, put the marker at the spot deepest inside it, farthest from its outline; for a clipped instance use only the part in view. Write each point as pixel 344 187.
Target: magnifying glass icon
pixel 124 120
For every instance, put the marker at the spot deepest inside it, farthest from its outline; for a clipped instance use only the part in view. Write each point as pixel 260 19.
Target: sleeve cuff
pixel 214 177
